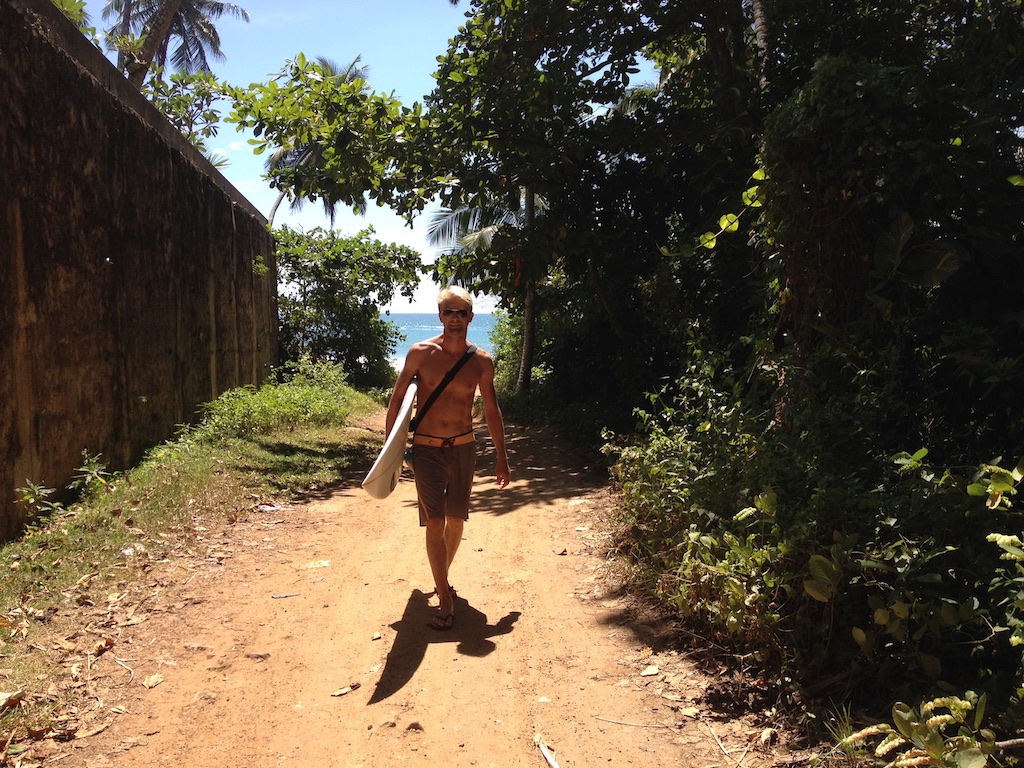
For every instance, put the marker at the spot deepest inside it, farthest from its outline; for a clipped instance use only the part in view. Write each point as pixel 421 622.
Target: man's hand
pixel 504 475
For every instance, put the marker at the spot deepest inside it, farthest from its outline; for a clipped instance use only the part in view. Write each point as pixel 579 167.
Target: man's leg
pixel 437 555
pixel 452 537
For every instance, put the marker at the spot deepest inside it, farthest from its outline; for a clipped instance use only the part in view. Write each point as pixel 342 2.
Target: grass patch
pixel 64 579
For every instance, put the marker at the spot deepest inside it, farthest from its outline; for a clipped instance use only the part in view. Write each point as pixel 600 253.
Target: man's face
pixel 455 314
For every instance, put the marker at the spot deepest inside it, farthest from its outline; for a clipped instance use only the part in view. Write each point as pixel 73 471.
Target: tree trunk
pixel 156 35
pixel 273 210
pixel 529 334
pixel 762 38
pixel 529 306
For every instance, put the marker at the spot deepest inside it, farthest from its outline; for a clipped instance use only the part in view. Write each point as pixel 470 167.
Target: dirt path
pixel 299 637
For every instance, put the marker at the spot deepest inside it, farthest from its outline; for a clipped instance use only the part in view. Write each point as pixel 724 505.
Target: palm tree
pixel 311 155
pixel 190 22
pixel 472 230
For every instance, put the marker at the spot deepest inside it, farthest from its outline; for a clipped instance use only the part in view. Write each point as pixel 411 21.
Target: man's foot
pixel 442 622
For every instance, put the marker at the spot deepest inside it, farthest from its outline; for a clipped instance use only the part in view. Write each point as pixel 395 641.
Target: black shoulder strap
pixel 440 387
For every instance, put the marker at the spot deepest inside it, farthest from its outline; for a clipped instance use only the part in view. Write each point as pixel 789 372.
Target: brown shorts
pixel 444 480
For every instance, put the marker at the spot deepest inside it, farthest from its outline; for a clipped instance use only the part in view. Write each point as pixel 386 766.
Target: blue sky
pixel 398 40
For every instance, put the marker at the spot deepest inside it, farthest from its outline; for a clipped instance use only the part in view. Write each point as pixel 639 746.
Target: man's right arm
pixel 405 378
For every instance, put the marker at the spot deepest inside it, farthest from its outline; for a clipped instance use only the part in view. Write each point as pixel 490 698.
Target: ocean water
pixel 416 326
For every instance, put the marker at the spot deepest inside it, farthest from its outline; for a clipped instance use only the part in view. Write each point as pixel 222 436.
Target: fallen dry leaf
pixel 346 689
pixel 94 730
pixel 153 680
pixel 651 671
pixel 86 580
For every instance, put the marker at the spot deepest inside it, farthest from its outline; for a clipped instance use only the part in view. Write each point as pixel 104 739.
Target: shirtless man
pixel 444 453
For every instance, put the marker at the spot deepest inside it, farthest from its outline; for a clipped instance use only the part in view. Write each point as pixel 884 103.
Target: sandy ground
pixel 299 637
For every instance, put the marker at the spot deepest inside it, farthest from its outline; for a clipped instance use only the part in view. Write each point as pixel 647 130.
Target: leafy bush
pixel 946 731
pixel 797 537
pixel 309 393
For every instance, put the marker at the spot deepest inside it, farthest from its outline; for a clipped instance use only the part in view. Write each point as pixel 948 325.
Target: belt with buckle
pixel 443 442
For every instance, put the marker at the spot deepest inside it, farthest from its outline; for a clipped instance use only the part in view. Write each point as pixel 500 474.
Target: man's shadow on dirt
pixel 470 630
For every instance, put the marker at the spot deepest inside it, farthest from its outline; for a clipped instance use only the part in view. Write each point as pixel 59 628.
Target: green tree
pixel 293 155
pixel 330 290
pixel 189 104
pixel 370 141
pixel 514 93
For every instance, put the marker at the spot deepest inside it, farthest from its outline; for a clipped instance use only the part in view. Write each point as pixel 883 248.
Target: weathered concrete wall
pixel 129 287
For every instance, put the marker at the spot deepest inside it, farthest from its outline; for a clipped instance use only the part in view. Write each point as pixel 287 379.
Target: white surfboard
pixel 382 478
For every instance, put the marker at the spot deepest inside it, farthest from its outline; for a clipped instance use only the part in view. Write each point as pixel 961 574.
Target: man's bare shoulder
pixel 422 350
pixel 433 343
pixel 483 364
pixel 483 356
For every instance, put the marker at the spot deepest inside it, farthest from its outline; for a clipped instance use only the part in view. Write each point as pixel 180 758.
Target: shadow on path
pixel 471 631
pixel 545 470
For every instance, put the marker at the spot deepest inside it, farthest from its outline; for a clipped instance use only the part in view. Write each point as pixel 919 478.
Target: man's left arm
pixel 495 422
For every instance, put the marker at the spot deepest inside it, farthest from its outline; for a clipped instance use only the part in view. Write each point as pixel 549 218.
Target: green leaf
pixel 767 501
pixel 817 590
pixel 969 758
pixel 1017 180
pixel 753 197
pixel 930 265
pixel 931 665
pixel 979 710
pixel 709 240
pixel 1001 482
pixel 977 489
pixel 934 744
pixel 948 615
pixel 889 246
pixel 730 222
pixel 903 717
pixel 824 570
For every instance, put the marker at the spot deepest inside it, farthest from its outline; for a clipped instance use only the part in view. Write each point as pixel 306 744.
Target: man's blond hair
pixel 454 292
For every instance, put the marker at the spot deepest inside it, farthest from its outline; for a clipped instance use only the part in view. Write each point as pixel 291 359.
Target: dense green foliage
pixel 331 288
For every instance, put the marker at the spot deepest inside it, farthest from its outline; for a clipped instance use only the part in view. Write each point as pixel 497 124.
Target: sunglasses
pixel 463 313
